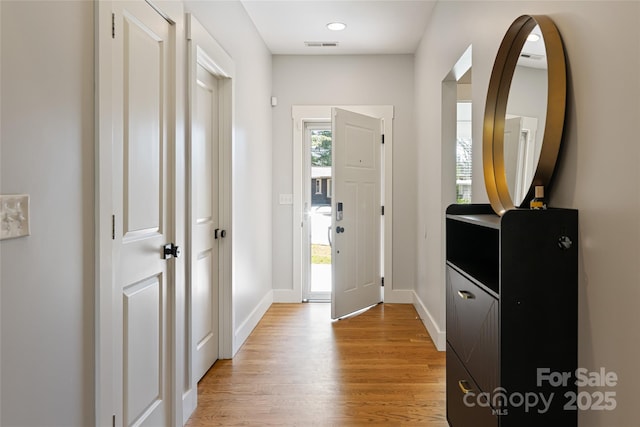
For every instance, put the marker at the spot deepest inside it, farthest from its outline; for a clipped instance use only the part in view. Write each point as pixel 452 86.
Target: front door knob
pixel 339 230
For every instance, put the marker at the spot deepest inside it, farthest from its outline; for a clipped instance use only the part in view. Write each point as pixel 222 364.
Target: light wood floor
pixel 298 368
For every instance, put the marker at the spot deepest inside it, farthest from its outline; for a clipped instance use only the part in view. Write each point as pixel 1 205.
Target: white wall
pixel 47 151
pixel 598 170
pixel 345 80
pixel 232 28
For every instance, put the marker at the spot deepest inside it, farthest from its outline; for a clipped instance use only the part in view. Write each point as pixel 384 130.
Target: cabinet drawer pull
pixel 466 295
pixel 464 386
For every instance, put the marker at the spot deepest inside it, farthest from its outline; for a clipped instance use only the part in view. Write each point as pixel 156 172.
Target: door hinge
pixel 113 227
pixel 383 282
pixel 383 138
pixel 383 210
pixel 113 25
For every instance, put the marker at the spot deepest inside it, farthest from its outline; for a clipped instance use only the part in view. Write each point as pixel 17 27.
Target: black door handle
pixel 339 230
pixel 171 250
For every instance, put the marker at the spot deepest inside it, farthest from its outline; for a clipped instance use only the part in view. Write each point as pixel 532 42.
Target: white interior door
pixel 142 219
pixel 356 208
pixel 205 221
pixel 512 132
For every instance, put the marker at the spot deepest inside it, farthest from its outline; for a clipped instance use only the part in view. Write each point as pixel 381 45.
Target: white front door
pixel 142 214
pixel 356 212
pixel 205 221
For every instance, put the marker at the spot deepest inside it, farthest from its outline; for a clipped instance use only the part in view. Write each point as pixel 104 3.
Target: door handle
pixel 329 236
pixel 171 250
pixel 219 233
pixel 339 229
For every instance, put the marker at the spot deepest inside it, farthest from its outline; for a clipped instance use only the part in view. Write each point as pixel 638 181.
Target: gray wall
pixel 47 150
pixel 598 172
pixel 345 80
pixel 47 279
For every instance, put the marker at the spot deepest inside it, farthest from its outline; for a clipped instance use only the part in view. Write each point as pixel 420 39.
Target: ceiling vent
pixel 321 44
pixel 531 56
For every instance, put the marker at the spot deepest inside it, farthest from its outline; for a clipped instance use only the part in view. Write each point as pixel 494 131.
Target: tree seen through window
pixel 321 148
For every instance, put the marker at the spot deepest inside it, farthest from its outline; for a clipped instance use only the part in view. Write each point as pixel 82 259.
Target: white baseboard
pixel 189 403
pixel 286 296
pixel 438 336
pixel 398 296
pixel 244 330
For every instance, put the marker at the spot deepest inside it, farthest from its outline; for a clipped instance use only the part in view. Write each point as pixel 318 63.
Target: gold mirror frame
pixel 496 108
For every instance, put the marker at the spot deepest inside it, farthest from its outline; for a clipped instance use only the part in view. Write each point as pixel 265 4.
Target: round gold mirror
pixel 524 113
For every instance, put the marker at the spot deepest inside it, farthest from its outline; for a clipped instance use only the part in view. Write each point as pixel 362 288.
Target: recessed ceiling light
pixel 533 37
pixel 336 26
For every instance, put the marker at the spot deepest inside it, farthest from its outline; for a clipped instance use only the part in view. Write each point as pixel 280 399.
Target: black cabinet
pixel 512 311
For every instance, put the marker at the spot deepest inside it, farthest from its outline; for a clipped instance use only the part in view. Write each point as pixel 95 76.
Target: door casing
pixel 203 50
pixel 312 113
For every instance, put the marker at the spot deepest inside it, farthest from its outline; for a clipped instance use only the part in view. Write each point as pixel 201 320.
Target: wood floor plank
pixel 299 368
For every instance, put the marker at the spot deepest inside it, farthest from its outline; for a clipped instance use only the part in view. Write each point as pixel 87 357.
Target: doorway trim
pixel 214 58
pixel 302 114
pixel 449 100
pixel 202 49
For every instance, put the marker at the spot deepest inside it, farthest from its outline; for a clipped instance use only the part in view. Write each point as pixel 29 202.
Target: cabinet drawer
pixel 461 411
pixel 472 328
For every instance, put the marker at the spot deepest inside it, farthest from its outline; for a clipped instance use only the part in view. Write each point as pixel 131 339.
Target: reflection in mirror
pixel 521 153
pixel 463 154
pixel 525 117
pixel 529 84
pixel 463 143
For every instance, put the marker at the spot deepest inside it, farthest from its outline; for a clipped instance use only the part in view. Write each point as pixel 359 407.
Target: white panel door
pixel 356 208
pixel 512 150
pixel 142 218
pixel 205 221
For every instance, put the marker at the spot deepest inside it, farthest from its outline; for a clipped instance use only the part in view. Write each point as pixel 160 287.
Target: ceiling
pixel 533 52
pixel 373 26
